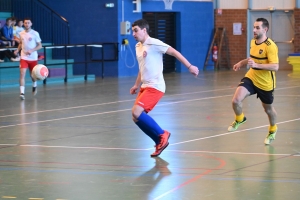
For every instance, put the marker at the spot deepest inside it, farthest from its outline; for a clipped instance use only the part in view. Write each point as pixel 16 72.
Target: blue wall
pixel 194 34
pixel 91 22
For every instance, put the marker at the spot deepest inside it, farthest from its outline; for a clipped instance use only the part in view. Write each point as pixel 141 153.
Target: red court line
pixel 221 165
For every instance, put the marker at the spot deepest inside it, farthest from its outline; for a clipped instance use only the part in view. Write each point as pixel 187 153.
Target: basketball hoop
pixel 168 4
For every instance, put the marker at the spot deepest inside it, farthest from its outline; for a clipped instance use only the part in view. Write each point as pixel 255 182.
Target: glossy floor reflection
pixel 77 141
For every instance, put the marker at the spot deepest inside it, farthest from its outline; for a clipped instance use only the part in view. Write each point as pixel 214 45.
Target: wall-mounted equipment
pixel 125 28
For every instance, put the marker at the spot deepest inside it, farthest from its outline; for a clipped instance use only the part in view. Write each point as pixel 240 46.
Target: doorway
pixel 163 27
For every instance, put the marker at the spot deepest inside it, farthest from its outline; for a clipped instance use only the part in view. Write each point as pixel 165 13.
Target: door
pixel 163 26
pixel 281 31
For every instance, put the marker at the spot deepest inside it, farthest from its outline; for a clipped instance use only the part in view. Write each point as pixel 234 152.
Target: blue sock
pixel 149 124
pixel 147 132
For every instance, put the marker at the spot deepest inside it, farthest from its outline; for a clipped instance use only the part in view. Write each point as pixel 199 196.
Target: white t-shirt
pixel 150 59
pixel 17 30
pixel 29 41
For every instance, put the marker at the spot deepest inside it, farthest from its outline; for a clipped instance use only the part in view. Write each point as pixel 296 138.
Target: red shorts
pixel 28 64
pixel 148 98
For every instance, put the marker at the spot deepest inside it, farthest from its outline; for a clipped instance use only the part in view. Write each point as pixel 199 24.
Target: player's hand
pixel 133 89
pixel 251 63
pixel 27 53
pixel 237 66
pixel 16 52
pixel 194 70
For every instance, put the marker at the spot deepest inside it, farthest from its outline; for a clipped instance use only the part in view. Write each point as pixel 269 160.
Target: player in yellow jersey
pixel 260 79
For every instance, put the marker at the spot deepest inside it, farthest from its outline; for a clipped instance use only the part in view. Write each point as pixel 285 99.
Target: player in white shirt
pixel 149 53
pixel 30 43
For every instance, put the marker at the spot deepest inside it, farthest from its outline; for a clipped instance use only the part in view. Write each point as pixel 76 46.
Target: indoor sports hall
pixel 79 142
pixel 75 139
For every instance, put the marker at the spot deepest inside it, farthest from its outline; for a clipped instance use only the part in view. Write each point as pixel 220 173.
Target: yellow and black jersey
pixel 264 53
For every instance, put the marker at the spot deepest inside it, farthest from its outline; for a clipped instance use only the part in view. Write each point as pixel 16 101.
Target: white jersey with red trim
pixel 29 41
pixel 150 58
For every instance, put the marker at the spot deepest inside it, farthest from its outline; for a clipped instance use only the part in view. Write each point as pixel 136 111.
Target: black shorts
pixel 265 96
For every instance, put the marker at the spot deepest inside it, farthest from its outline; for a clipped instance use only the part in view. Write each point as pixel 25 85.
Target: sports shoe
pixel 270 137
pixel 15 59
pixel 34 91
pixel 234 126
pixel 22 96
pixel 1 60
pixel 163 143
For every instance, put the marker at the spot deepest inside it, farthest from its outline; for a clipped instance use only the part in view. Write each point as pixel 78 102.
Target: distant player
pixel 260 79
pixel 30 43
pixel 149 53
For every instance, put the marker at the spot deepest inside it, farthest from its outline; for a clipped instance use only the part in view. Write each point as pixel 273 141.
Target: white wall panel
pixel 278 4
pixel 256 4
pixel 233 4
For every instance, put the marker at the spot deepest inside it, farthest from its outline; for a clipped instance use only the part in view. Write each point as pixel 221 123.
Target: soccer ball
pixel 39 72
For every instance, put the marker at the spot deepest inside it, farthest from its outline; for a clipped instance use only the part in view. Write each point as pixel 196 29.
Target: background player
pixel 30 43
pixel 260 79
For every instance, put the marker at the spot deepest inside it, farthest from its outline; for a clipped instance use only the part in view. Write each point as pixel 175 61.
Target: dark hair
pixel 265 22
pixel 27 18
pixel 142 23
pixel 13 19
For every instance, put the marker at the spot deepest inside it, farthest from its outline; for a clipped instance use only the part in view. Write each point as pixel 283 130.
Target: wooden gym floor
pixel 76 141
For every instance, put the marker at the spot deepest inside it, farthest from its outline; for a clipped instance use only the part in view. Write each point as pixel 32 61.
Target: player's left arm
pixel 269 66
pixel 19 48
pixel 173 52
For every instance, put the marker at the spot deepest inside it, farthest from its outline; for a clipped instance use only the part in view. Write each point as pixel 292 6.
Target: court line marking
pixel 109 112
pixel 222 163
pixel 237 153
pixel 228 133
pixel 173 144
pixel 73 147
pixel 130 109
pixel 107 103
pixel 114 102
pixel 147 149
pixel 179 151
pixel 69 108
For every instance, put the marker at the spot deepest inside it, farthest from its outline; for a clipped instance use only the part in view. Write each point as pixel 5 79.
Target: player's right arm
pixel 19 48
pixel 136 85
pixel 238 65
pixel 38 47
